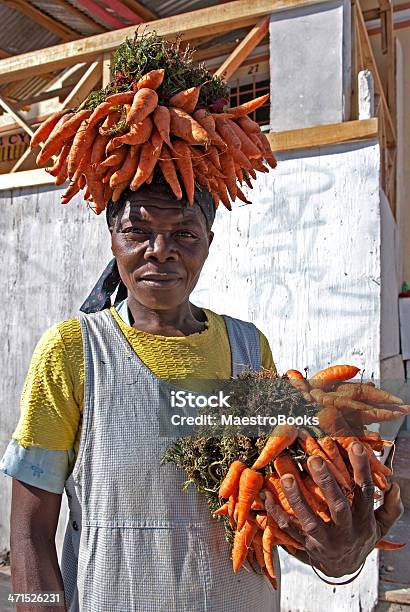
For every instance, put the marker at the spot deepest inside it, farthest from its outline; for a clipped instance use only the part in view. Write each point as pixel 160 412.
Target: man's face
pixel 160 246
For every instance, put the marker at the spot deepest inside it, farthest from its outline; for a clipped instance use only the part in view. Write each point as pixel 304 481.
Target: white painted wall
pixel 390 285
pixel 310 65
pixel 303 263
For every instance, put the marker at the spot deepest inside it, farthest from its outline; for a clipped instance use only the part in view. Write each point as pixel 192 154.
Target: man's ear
pixel 210 238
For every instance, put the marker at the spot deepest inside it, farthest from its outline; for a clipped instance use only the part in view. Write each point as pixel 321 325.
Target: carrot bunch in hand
pixel 124 139
pixel 286 452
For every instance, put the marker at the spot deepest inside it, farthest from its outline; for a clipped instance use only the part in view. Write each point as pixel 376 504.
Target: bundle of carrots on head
pixel 241 467
pixel 160 114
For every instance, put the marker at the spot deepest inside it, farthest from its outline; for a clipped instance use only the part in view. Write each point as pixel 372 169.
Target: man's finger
pixel 281 518
pixel 310 523
pixel 364 496
pixel 338 504
pixel 391 510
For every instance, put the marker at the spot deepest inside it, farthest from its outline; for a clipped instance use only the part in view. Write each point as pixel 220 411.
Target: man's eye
pixel 185 234
pixel 134 230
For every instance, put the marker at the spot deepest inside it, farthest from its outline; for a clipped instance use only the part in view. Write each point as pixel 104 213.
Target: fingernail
pixel 357 448
pixel 262 494
pixel 287 481
pixel 316 463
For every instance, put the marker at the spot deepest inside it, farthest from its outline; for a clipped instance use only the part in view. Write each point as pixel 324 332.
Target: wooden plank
pixel 67 6
pixel 106 69
pixel 95 9
pixel 9 108
pixel 27 178
pixel 123 11
pixel 207 21
pixel 87 82
pixel 321 135
pixel 370 63
pixel 89 79
pixel 246 46
pixel 50 24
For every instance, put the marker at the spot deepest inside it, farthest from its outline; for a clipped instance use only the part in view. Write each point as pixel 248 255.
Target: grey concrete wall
pixel 51 256
pixel 310 65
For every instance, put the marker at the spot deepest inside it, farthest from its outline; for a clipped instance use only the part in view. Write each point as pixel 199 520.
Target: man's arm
pixel 33 524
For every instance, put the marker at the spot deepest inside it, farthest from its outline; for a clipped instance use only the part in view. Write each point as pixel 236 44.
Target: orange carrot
pixel 375 464
pixel 70 192
pixel 231 510
pixel 330 448
pixel 269 156
pixel 109 122
pixel 280 439
pixel 185 127
pixel 247 146
pixel 367 393
pixel 268 542
pixel 380 481
pixel 228 169
pixel 273 581
pixel 284 464
pixel 247 107
pixel 144 103
pixel 116 158
pixel 98 150
pixel 44 130
pixel 298 381
pixel 119 190
pixel 152 80
pixel 242 542
pixel 126 172
pixel 187 100
pixel 56 168
pixel 82 165
pixel 123 97
pixel 214 156
pixel 221 191
pixel 250 483
pixel 272 482
pixel 337 372
pixel 138 134
pixel 257 503
pixel 240 158
pixel 295 374
pixel 258 548
pixel 248 125
pixel 386 545
pixel 241 196
pixel 184 164
pixel 206 120
pixel 230 484
pixel 148 158
pixel 58 135
pixel 222 511
pixel 228 135
pixel 168 170
pixel 162 121
pixel 83 140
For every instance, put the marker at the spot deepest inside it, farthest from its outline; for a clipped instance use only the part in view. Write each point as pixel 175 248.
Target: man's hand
pixel 339 547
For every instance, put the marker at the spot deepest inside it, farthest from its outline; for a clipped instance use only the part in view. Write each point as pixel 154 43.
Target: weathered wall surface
pixel 51 257
pixel 303 263
pixel 310 65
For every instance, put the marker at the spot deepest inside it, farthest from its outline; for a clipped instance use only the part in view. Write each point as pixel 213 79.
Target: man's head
pixel 160 244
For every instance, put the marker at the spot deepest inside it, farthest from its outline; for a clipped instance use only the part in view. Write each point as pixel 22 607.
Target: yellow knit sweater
pixel 53 393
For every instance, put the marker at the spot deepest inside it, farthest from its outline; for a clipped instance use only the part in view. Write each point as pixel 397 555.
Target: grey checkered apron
pixel 135 542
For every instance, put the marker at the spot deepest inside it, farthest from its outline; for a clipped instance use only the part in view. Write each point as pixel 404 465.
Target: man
pixel 134 540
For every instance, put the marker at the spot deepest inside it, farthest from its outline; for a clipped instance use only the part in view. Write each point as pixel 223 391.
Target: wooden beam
pixel 141 10
pixel 106 69
pixel 123 11
pixel 207 21
pixel 28 178
pixel 321 135
pixel 89 79
pixel 246 46
pixel 370 63
pixel 9 108
pixel 95 9
pixel 50 24
pixel 67 6
pixel 87 82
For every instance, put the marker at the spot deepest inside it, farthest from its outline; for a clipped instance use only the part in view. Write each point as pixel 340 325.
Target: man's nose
pixel 161 247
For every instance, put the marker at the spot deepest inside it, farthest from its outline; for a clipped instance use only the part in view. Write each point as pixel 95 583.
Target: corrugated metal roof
pixel 20 34
pixel 62 15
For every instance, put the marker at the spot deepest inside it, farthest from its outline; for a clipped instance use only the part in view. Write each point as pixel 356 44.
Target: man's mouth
pixel 164 279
